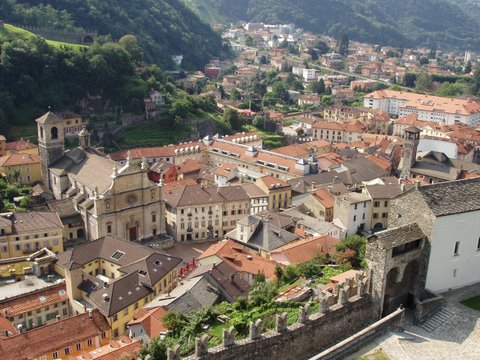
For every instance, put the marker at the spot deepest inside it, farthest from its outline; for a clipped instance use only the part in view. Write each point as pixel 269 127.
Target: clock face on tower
pixel 131 199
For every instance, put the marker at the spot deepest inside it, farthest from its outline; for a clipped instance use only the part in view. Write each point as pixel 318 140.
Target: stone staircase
pixel 437 319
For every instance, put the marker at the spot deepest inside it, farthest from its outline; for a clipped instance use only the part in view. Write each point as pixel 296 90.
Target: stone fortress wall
pixel 348 309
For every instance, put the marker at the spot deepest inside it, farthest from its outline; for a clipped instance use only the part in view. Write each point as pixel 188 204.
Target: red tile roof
pixel 124 348
pixel 151 320
pixel 190 166
pixel 35 300
pixel 56 336
pixel 324 197
pixel 304 250
pixel 274 183
pixel 19 159
pixel 20 145
pixel 241 258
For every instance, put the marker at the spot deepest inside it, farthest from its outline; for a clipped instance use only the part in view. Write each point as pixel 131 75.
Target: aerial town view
pixel 239 180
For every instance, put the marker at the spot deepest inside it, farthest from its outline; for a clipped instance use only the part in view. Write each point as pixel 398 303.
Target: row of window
pixel 66 351
pixel 377 203
pixel 376 215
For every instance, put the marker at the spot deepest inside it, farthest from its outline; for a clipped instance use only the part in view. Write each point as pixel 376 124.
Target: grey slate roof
pixel 191 295
pixel 142 268
pixel 387 191
pixel 397 236
pixel 452 197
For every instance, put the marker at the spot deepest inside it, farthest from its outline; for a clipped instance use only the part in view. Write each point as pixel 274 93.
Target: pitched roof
pixel 20 145
pixel 124 348
pixel 193 195
pixel 58 335
pixel 36 221
pixel 142 268
pixel 273 183
pixel 34 300
pixel 64 207
pixel 324 197
pixel 397 236
pixel 19 159
pixel 452 197
pixel 190 166
pixel 225 277
pixel 225 169
pixel 151 319
pixel 303 149
pixel 233 193
pixel 190 295
pixel 304 250
pixel 387 191
pixel 49 118
pixel 241 258
pixel 88 166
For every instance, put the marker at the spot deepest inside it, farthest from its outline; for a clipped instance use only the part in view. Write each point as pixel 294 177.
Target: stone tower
pixel 84 138
pixel 51 141
pixel 412 138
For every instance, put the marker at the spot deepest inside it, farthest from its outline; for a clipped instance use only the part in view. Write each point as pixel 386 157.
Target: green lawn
pixel 11 32
pixel 26 132
pixel 473 303
pixel 153 134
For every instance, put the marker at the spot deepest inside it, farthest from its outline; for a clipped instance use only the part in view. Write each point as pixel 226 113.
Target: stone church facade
pixel 111 199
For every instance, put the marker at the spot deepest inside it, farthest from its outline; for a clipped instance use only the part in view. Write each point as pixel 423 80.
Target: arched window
pixel 54 133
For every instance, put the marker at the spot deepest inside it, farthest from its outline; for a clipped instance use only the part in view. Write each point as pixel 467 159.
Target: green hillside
pixel 10 33
pixel 440 23
pixel 163 27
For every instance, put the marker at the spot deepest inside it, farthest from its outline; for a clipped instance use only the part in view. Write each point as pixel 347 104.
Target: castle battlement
pixel 343 312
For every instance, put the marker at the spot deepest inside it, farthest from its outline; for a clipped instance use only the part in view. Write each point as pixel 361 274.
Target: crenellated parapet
pixel 343 311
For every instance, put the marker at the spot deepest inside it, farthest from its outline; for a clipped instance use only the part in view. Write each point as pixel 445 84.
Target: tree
pixel 249 41
pixel 342 44
pixel 235 95
pixel 313 54
pixel 358 244
pixel 130 43
pixel 278 272
pixel 409 80
pixel 262 292
pixel 322 47
pixel 174 321
pixel 230 116
pixel 423 82
pixel 280 92
pixel 468 67
pixel 317 87
pixel 157 349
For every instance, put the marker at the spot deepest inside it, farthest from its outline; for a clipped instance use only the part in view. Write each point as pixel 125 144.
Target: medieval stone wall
pixel 311 334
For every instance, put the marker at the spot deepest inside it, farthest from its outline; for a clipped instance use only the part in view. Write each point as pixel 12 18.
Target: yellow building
pixel 115 277
pixel 279 192
pixel 62 339
pixel 21 146
pixel 25 233
pixel 22 168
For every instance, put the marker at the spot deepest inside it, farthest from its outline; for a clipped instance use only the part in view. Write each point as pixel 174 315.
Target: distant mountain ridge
pixel 406 23
pixel 163 27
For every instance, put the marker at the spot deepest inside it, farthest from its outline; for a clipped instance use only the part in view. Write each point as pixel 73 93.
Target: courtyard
pixel 457 338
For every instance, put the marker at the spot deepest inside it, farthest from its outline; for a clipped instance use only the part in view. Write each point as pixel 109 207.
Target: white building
pixel 448 214
pixel 441 110
pixel 309 74
pixel 353 211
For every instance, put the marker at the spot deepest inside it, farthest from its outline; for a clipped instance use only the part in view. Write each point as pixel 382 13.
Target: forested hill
pixel 441 23
pixel 163 27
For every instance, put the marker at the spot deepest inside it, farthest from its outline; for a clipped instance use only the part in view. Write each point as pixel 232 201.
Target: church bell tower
pixel 410 146
pixel 51 142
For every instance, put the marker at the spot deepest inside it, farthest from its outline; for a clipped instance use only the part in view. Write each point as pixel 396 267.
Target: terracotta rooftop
pixel 19 159
pixel 428 102
pixel 241 258
pixel 324 197
pixel 273 183
pixel 124 348
pixel 33 301
pixel 151 320
pixel 20 145
pixel 58 335
pixel 304 250
pixel 190 166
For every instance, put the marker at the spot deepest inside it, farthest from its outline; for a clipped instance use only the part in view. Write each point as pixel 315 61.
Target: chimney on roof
pixel 105 297
pixel 57 318
pixel 313 185
pixel 90 314
pixel 232 278
pixel 213 265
